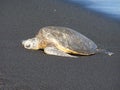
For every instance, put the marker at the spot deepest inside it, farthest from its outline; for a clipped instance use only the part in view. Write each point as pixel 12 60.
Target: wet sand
pixel 22 69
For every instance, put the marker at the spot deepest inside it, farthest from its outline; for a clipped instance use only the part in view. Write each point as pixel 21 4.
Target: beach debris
pixel 54 10
pixel 62 41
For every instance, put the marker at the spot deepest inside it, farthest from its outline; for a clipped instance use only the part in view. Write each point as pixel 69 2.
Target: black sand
pixel 22 69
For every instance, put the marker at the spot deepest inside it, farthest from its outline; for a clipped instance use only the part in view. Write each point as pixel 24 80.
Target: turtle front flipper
pixel 54 51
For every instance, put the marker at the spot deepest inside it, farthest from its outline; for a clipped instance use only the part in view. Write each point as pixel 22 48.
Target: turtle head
pixel 32 43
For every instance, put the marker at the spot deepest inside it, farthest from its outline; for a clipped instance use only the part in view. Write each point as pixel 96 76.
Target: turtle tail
pixel 104 51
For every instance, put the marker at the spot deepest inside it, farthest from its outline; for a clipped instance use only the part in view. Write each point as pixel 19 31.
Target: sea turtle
pixel 62 41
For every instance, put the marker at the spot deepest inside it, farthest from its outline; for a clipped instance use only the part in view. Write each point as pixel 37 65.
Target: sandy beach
pixel 22 69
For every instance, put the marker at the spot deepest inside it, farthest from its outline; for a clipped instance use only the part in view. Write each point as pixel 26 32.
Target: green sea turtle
pixel 62 41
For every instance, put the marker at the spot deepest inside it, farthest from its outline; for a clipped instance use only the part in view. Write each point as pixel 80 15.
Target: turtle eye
pixel 28 45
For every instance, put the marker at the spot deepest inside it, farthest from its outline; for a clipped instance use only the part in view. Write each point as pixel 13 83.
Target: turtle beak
pixel 23 42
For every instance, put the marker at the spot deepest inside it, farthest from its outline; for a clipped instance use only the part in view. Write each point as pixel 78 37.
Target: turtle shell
pixel 69 40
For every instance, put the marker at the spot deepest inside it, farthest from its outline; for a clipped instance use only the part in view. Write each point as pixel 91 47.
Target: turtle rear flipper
pixel 54 51
pixel 104 51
